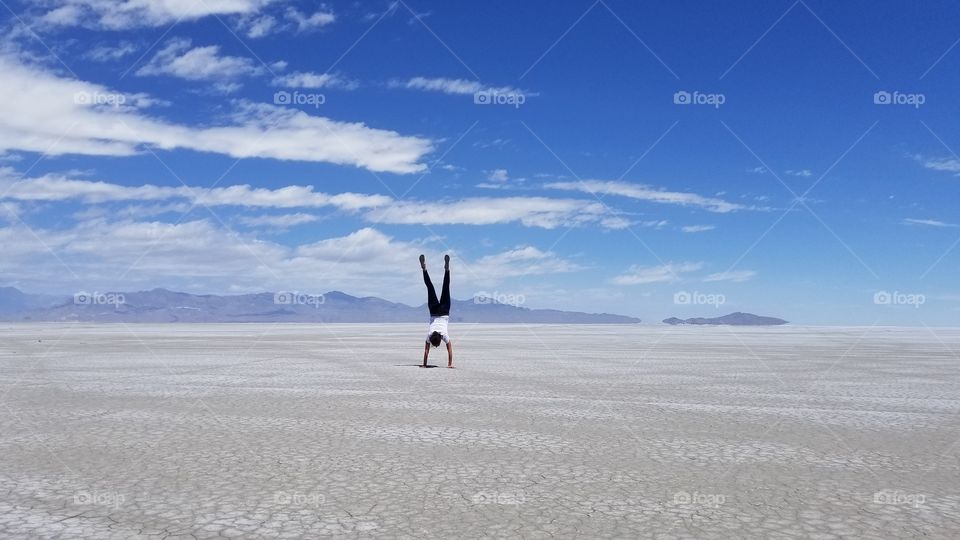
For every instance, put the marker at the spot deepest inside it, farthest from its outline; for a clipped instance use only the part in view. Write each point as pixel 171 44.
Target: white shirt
pixel 439 324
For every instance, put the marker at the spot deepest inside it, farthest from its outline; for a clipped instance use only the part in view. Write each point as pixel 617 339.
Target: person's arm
pixel 449 354
pixel 426 353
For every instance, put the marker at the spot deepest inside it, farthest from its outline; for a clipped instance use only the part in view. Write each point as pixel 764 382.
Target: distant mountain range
pixel 161 305
pixel 733 319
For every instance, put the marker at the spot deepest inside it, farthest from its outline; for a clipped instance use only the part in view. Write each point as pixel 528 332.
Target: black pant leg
pixel 432 303
pixel 445 294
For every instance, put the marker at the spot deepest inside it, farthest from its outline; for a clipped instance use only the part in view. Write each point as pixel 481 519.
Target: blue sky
pixel 250 145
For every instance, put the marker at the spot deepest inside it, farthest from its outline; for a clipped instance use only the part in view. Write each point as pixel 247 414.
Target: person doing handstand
pixel 439 312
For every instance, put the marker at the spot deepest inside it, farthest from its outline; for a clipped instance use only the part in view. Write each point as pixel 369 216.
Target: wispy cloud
pixel 733 275
pixel 180 59
pixel 110 53
pixel 647 193
pixel 522 261
pixel 313 21
pixel 641 275
pixel 927 222
pixel 202 255
pixel 283 221
pixel 128 14
pixel 498 175
pixel 697 228
pixel 454 86
pixel 42 113
pixel 541 212
pixel 943 164
pixel 315 80
pixel 50 188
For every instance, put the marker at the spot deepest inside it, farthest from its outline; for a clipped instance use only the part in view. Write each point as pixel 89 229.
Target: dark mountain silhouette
pixel 162 305
pixel 733 319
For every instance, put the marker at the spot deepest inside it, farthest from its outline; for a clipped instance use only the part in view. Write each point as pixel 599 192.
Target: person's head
pixel 435 339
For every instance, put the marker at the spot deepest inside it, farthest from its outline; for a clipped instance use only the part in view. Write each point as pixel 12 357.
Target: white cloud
pixel 927 222
pixel 454 86
pixel 697 228
pixel 179 59
pixel 259 27
pixel 315 80
pixel 51 188
pixel 283 221
pixel 803 173
pixel 126 14
pixel 203 257
pixel 498 175
pixel 943 164
pixel 10 211
pixel 540 212
pixel 646 193
pixel 131 211
pixel 491 144
pixel 518 262
pixel 733 275
pixel 641 275
pixel 40 112
pixel 316 20
pixel 654 223
pixel 107 53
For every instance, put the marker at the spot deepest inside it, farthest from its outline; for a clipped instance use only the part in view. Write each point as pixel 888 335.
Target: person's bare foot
pixel 423 262
pixel 450 366
pixel 446 262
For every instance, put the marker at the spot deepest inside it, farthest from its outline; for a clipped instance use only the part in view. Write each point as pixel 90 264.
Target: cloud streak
pixel 457 87
pixel 647 193
pixel 45 113
pixel 928 223
pixel 128 14
pixel 665 273
pixel 539 212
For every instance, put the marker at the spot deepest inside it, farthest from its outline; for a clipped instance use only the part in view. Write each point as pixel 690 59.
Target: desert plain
pixel 541 431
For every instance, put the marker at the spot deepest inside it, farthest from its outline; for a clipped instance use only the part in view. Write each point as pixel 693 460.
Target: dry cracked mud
pixel 306 431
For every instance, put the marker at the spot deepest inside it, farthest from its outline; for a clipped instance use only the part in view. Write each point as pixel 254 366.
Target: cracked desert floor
pixel 307 431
